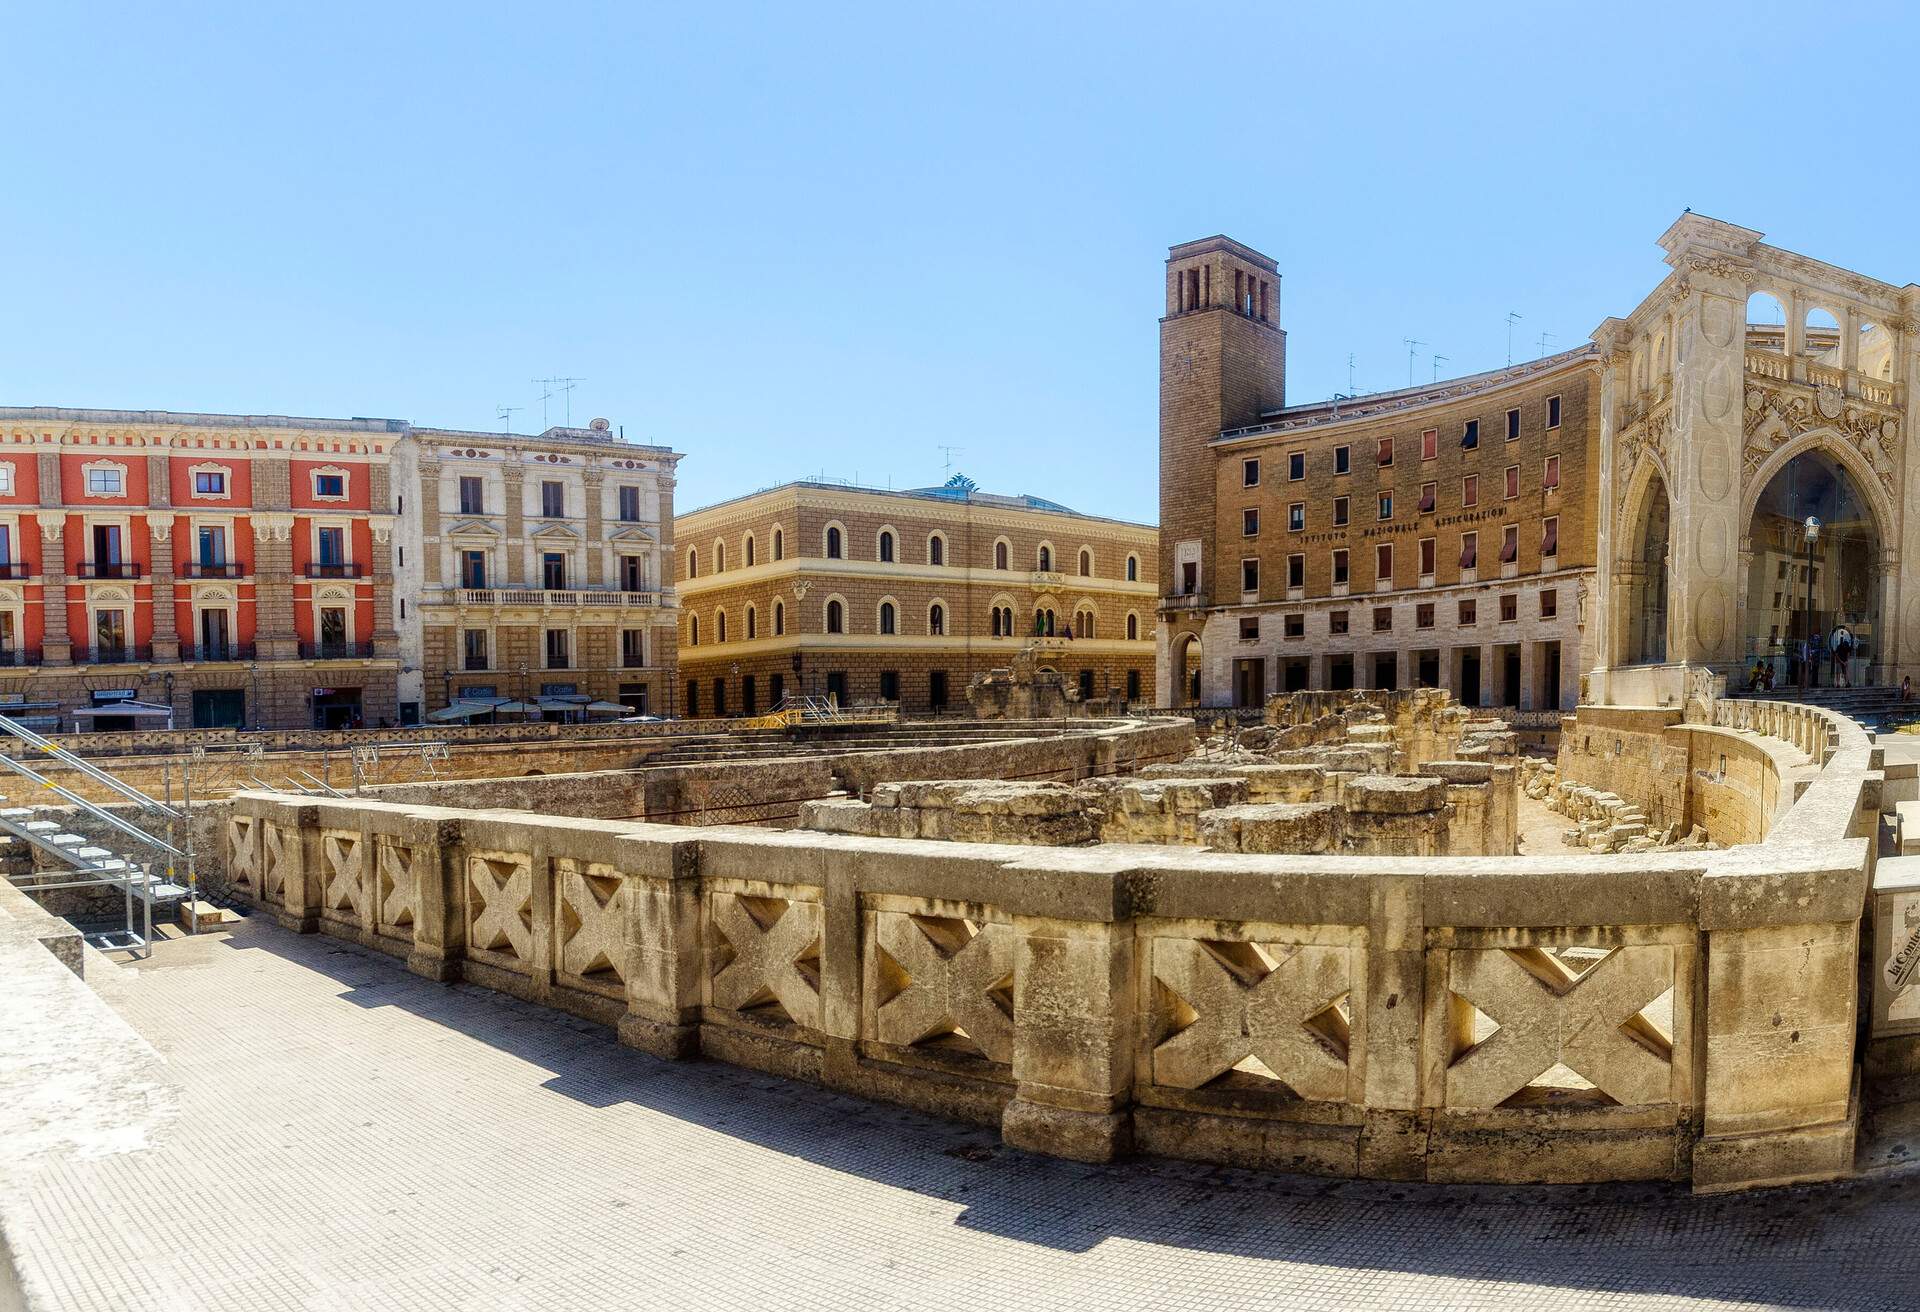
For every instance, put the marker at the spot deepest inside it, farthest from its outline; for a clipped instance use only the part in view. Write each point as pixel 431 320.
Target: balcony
pixel 554 599
pixel 1183 601
pixel 10 656
pixel 111 569
pixel 115 655
pixel 215 569
pixel 335 570
pixel 15 569
pixel 335 651
pixel 217 651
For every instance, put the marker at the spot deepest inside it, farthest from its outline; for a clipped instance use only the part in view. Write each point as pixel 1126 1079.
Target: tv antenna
pixel 1436 365
pixel 565 387
pixel 1512 319
pixel 947 472
pixel 1351 389
pixel 1412 344
pixel 504 413
pixel 1544 339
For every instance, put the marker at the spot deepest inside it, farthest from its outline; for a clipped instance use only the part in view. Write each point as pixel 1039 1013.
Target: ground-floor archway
pixel 1822 585
pixel 1186 670
pixel 1646 576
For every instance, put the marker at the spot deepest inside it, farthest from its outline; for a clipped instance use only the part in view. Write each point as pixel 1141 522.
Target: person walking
pixel 1842 654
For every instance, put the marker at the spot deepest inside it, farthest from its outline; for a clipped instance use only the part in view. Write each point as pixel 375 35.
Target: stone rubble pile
pixel 1607 822
pixel 1538 777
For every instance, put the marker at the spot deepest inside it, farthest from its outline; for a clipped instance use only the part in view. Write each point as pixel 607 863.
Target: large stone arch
pixel 1828 441
pixel 1649 477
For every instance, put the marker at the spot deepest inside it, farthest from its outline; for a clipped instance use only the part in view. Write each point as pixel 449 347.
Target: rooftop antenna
pixel 1351 389
pixel 563 385
pixel 1512 319
pixel 1436 365
pixel 1544 339
pixel 949 450
pixel 504 413
pixel 1412 344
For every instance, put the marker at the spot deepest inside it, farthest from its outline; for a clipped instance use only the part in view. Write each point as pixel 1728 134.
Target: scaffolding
pixel 86 864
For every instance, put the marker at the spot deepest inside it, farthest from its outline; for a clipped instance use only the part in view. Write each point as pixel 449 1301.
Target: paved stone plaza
pixel 447 1147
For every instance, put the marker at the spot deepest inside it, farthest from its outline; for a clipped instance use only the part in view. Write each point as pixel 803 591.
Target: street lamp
pixel 1812 528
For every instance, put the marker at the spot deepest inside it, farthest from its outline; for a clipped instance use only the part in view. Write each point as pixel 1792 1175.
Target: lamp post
pixel 1812 528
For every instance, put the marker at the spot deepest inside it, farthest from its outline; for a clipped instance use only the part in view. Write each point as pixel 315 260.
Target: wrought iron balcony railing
pixel 335 651
pixel 217 651
pixel 335 570
pixel 111 569
pixel 215 569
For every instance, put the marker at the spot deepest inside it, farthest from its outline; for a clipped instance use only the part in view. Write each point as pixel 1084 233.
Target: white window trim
pixel 898 630
pixel 946 614
pixel 846 611
pixel 886 528
pixel 86 478
pixel 846 541
pixel 346 483
pixel 210 467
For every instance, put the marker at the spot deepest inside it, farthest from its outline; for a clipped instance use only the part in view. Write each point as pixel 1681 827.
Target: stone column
pixel 1529 688
pixel 386 638
pixel 56 645
pixel 1073 1046
pixel 1393 1129
pixel 274 635
pixel 1601 643
pixel 514 549
pixel 1487 680
pixel 166 634
pixel 1903 626
pixel 594 567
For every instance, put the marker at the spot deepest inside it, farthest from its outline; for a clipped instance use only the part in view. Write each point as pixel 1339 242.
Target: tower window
pixel 1296 466
pixel 1250 473
pixel 1513 424
pixel 1470 436
pixel 1553 412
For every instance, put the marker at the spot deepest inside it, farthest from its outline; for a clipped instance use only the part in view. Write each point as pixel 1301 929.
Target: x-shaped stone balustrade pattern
pixel 399 883
pixel 1275 1003
pixel 502 905
pixel 959 977
pixel 593 917
pixel 775 945
pixel 344 873
pixel 1590 1023
pixel 243 863
pixel 273 862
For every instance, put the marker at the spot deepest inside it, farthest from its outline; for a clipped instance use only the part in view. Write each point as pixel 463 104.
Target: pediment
pixel 550 532
pixel 633 533
pixel 472 528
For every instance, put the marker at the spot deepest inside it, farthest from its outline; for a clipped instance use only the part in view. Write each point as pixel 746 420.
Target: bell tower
pixel 1223 361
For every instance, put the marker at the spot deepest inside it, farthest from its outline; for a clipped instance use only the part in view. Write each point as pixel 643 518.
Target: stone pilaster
pixel 596 547
pixel 1072 1057
pixel 386 638
pixel 429 545
pixel 166 636
pixel 514 550
pixel 274 634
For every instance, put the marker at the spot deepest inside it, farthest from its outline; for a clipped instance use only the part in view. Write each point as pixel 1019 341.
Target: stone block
pixel 1394 795
pixel 1300 827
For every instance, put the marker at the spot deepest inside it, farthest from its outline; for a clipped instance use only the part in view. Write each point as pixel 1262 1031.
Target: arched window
pixel 833 543
pixel 886 617
pixel 719 558
pixel 1133 627
pixel 1133 569
pixel 999 555
pixel 936 550
pixel 748 553
pixel 779 545
pixel 1046 559
pixel 779 618
pixel 996 622
pixel 693 563
pixel 886 546
pixel 1083 624
pixel 753 625
pixel 1086 563
pixel 835 622
pixel 937 620
pixel 693 630
pixel 720 626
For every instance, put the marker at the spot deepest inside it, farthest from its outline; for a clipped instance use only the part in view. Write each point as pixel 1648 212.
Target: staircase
pixel 1878 710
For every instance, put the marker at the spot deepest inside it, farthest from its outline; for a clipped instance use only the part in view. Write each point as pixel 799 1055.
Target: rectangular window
pixel 1470 436
pixel 1383 619
pixel 1249 473
pixel 210 483
pixel 474 653
pixel 1549 603
pixel 553 571
pixel 633 649
pixel 1423 615
pixel 631 579
pixel 1337 622
pixel 553 499
pixel 629 504
pixel 719 696
pixel 472 499
pixel 1550 536
pixel 1469 550
pixel 110 632
pixel 1509 608
pixel 104 482
pixel 1510 544
pixel 1297 516
pixel 473 569
pixel 1513 424
pixel 1386 451
pixel 1469 613
pixel 1339 564
pixel 1427 556
pixel 557 649
pixel 1383 562
pixel 1293 626
pixel 1550 479
pixel 1339 511
pixel 1430 444
pixel 213 545
pixel 332 544
pixel 331 486
pixel 889 685
pixel 1429 494
pixel 1250 575
pixel 1296 466
pixel 1249 523
pixel 1249 630
pixel 1553 412
pixel 1470 490
pixel 333 628
pixel 1343 460
pixel 1513 481
pixel 1386 505
pixel 1296 571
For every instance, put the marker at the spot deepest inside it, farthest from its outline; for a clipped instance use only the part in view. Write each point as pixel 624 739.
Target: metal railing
pixel 548 597
pixel 15 569
pixel 121 655
pixel 215 569
pixel 335 570
pixel 217 651
pixel 335 651
pixel 111 569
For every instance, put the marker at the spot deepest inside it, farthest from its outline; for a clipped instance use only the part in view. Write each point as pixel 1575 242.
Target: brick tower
pixel 1222 361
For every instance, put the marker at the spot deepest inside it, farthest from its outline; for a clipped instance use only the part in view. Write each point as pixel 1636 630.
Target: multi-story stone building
pixel 1438 536
pixel 862 594
pixel 544 570
pixel 184 569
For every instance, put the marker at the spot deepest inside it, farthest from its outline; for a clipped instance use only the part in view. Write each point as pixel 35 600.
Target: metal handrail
pixel 93 809
pixel 85 767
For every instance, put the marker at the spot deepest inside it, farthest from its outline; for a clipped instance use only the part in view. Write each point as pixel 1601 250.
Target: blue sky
pixel 790 240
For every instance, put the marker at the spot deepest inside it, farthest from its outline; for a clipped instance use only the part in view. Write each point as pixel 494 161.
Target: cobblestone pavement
pixel 354 1137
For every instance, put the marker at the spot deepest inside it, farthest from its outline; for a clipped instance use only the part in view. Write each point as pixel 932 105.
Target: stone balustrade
pixel 1670 1015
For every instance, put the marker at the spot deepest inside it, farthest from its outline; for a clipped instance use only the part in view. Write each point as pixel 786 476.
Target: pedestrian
pixel 1842 654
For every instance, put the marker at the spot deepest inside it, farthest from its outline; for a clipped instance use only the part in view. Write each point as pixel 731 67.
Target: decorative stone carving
pixel 243 851
pixel 273 862
pixel 1776 416
pixel 1276 1005
pixel 593 911
pixel 344 875
pixel 1829 401
pixel 951 982
pixel 767 957
pixel 501 906
pixel 399 878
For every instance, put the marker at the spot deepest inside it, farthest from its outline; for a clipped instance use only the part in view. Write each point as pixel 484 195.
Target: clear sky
pixel 807 239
